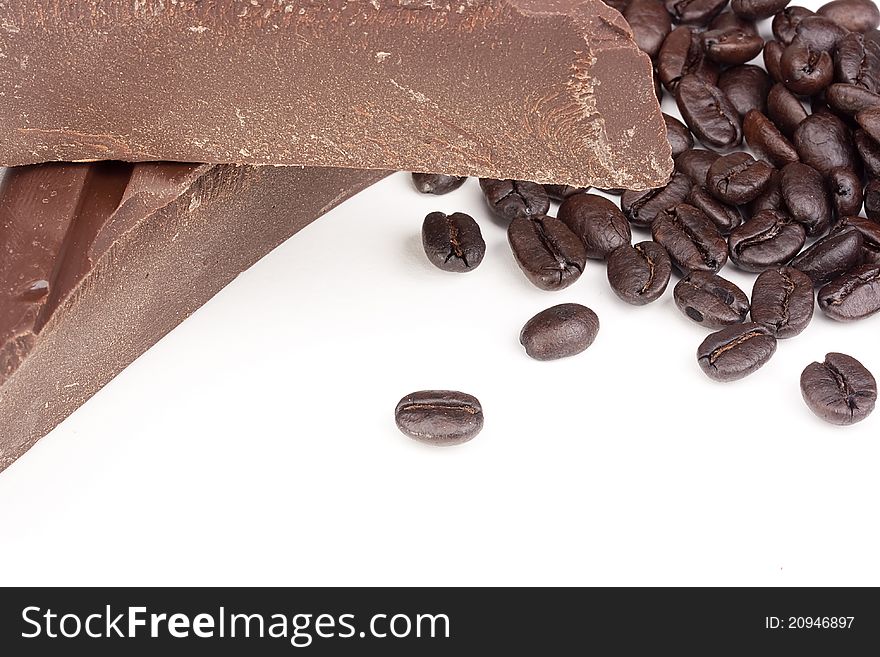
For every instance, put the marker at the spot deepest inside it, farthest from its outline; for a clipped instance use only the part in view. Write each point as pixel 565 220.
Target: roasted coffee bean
pixel 694 12
pixel 758 9
pixel 804 70
pixel 782 301
pixel 764 138
pixel 736 351
pixel 453 242
pixel 850 99
pixel 729 19
pixel 695 163
pixel 845 190
pixel 785 23
pixel 870 231
pixel 642 207
pixel 869 152
pixel 690 238
pixel 708 112
pixel 559 332
pixel 562 192
pixel 650 23
pixel 823 141
pixel 853 296
pixel 839 390
pixel 711 300
pixel 819 33
pixel 803 191
pixel 731 45
pixel 439 417
pixel 769 239
pixel 769 199
pixel 746 87
pixel 784 109
pixel 738 178
pixel 831 256
pixel 512 199
pixel 549 254
pixel 854 15
pixel 680 138
pixel 869 120
pixel 437 183
pixel 772 59
pixel 725 217
pixel 872 199
pixel 639 274
pixel 857 62
pixel 598 222
pixel 681 54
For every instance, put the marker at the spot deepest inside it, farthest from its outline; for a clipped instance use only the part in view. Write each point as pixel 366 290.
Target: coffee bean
pixel 549 254
pixel 773 59
pixel 695 163
pixel 785 23
pixel 439 417
pixel 769 199
pixel 694 12
pixel 872 199
pixel 782 301
pixel 839 390
pixel 512 199
pixel 803 191
pixel 708 112
pixel 639 274
pixel 738 178
pixel 725 217
pixel 736 351
pixel 731 45
pixel 850 99
pixel 831 256
pixel 682 54
pixel 784 109
pixel 729 19
pixel 823 141
pixel 769 239
pixel 690 238
pixel 870 231
pixel 711 300
pixel 854 15
pixel 853 296
pixel 805 70
pixel 598 222
pixel 560 331
pixel 680 138
pixel 857 62
pixel 869 120
pixel 650 23
pixel 746 87
pixel 642 207
pixel 766 141
pixel 819 33
pixel 619 5
pixel 845 190
pixel 562 192
pixel 869 151
pixel 437 183
pixel 453 242
pixel 757 9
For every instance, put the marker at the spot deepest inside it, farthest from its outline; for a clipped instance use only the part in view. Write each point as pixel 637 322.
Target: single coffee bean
pixel 725 217
pixel 690 238
pixel 511 199
pixel 736 351
pixel 437 183
pixel 642 207
pixel 830 257
pixel 869 152
pixel 805 70
pixel 782 301
pixel 695 163
pixel 803 191
pixel 453 242
pixel 872 199
pixel 732 45
pixel 869 120
pixel 708 112
pixel 757 9
pixel 773 59
pixel 853 296
pixel 785 23
pixel 639 274
pixel 839 390
pixel 850 99
pixel 549 254
pixel 650 23
pixel 729 19
pixel 746 87
pixel 694 12
pixel 870 231
pixel 558 332
pixel 764 138
pixel 854 15
pixel 561 192
pixel 845 189
pixel 680 138
pixel 769 239
pixel 784 109
pixel 823 141
pixel 439 417
pixel 738 178
pixel 711 300
pixel 769 199
pixel 598 222
pixel 682 54
pixel 819 33
pixel 857 62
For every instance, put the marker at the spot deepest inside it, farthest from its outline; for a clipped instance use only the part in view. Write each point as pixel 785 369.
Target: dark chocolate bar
pixel 553 91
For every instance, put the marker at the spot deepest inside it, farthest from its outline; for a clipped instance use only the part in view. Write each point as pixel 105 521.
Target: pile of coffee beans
pixel 790 210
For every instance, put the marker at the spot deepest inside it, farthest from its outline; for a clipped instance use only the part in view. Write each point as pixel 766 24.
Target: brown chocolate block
pixel 99 261
pixel 553 91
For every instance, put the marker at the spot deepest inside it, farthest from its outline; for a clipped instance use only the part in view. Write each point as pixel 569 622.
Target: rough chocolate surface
pixel 553 91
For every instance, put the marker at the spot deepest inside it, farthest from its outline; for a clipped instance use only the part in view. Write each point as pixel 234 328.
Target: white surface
pixel 256 443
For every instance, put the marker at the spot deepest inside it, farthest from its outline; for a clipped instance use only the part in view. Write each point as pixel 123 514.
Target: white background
pixel 256 443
